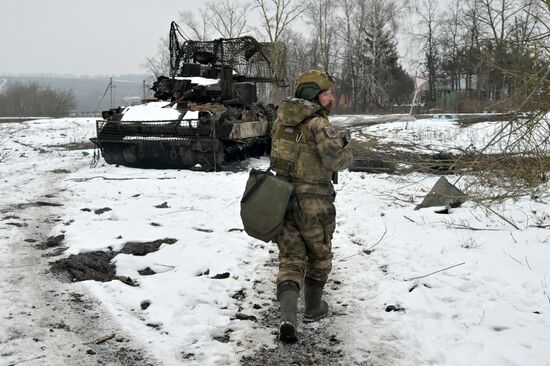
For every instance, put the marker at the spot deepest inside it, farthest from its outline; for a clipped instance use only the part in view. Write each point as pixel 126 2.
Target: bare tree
pixel 193 28
pixel 277 15
pixel 523 143
pixel 472 42
pixel 507 27
pixel 451 38
pixel 374 51
pixel 497 14
pixel 429 15
pixel 345 33
pixel 322 18
pixel 299 53
pixel 221 18
pixel 228 17
pixel 160 63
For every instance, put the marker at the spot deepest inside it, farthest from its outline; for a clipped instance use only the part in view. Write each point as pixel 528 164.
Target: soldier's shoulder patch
pixel 330 132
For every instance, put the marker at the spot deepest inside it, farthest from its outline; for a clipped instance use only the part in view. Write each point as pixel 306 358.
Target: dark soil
pixel 99 211
pixel 220 276
pixel 111 349
pixel 97 265
pixel 17 224
pixel 52 241
pixel 22 206
pixel 61 171
pixel 140 248
pixel 316 345
pixel 87 266
pixel 226 338
pixel 147 272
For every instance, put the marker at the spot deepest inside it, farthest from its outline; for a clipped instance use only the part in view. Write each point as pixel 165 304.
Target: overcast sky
pixel 83 36
pixel 97 37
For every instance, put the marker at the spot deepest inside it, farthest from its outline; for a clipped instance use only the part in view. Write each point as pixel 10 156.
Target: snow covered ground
pixel 445 133
pixel 434 134
pixel 492 308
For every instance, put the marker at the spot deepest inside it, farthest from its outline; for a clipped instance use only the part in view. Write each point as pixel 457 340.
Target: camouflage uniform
pixel 306 150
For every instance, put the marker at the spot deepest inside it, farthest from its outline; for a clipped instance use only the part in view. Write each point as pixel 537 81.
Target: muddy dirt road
pixel 45 321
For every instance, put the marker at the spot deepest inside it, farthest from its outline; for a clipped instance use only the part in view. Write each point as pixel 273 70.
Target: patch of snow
pixel 154 111
pixel 191 115
pixel 199 80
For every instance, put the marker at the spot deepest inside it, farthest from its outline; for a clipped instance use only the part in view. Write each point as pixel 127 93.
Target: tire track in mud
pixel 318 343
pixel 44 321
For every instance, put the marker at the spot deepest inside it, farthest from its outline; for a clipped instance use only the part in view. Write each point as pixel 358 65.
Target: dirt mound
pixel 143 248
pixel 87 266
pixel 97 265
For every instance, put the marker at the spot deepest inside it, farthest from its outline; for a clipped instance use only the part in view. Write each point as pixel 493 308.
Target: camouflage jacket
pixel 306 148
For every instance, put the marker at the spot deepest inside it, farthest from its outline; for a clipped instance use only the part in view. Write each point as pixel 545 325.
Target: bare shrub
pixel 523 161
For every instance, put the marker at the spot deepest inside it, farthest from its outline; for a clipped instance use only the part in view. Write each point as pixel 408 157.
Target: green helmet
pixel 311 83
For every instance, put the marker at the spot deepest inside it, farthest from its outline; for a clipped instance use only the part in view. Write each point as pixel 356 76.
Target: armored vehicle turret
pixel 206 112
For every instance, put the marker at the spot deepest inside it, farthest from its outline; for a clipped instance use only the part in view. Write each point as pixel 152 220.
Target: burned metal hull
pixel 180 144
pixel 206 113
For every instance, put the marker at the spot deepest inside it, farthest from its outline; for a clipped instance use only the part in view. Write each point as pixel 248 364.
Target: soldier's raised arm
pixel 330 145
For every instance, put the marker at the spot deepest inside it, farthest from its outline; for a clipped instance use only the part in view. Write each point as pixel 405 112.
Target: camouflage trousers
pixel 305 240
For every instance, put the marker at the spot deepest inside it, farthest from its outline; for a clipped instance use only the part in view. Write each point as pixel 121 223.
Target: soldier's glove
pixel 346 136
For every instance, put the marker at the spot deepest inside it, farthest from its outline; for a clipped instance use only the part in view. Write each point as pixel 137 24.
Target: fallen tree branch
pixel 440 270
pixel 527 262
pixel 466 227
pixel 173 212
pixel 408 218
pixel 369 250
pixel 105 339
pixel 481 318
pixel 509 255
pixel 500 216
pixel 540 226
pixel 30 359
pixel 379 240
pixel 106 178
pixel 409 200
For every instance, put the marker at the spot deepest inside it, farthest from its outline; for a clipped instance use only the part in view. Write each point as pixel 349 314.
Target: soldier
pixel 306 150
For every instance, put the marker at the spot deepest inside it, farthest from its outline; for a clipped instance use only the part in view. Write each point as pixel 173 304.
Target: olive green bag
pixel 264 203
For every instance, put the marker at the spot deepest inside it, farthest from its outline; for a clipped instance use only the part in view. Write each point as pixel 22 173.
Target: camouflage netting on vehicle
pixel 213 85
pixel 249 59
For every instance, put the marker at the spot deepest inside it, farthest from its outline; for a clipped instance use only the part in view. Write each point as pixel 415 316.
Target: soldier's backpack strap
pixel 261 177
pixel 304 128
pixel 298 133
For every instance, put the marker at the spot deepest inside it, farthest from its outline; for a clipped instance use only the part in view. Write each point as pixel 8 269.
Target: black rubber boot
pixel 287 293
pixel 315 308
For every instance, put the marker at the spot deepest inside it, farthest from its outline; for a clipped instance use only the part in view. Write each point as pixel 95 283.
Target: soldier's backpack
pixel 264 203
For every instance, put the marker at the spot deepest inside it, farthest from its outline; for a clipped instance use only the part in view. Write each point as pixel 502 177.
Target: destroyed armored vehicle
pixel 207 111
